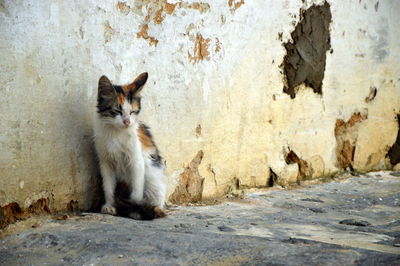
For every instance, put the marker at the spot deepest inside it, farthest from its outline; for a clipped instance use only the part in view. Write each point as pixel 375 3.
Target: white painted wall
pixel 53 52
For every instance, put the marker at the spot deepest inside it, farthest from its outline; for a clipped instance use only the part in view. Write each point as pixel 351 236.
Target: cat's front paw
pixel 108 209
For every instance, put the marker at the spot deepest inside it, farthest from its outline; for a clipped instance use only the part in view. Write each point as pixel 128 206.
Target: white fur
pixel 122 158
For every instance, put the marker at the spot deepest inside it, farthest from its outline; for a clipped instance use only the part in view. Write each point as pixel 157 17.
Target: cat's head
pixel 120 105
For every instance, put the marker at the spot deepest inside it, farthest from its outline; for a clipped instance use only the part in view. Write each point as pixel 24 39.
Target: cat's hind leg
pixel 155 189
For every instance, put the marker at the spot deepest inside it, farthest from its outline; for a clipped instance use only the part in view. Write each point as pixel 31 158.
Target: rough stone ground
pixel 353 221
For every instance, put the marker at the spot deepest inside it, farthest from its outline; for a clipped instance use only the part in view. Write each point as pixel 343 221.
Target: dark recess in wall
pixel 273 177
pixel 305 57
pixel 394 151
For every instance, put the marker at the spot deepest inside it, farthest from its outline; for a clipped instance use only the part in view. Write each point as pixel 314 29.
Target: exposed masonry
pixel 12 212
pixel 305 169
pixel 394 151
pixel 190 186
pixel 346 134
pixel 304 62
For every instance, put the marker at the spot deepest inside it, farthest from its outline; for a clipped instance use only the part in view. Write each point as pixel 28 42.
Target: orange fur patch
pixel 121 98
pixel 126 89
pixel 145 140
pixel 135 106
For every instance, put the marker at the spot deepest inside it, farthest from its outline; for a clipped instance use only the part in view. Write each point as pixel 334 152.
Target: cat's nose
pixel 127 122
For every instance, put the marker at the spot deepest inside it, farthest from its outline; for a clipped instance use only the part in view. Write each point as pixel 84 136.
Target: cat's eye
pixel 134 112
pixel 118 111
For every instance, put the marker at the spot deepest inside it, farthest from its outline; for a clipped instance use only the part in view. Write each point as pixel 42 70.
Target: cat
pixel 131 167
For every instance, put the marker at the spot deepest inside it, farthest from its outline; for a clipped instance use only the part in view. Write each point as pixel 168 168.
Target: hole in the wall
pixel 304 62
pixel 394 151
pixel 273 177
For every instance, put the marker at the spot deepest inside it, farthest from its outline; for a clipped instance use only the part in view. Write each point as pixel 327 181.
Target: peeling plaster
pixel 306 52
pixel 190 186
pixel 346 134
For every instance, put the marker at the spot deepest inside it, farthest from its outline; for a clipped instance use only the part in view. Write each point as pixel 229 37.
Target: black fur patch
pixel 156 159
pixel 126 208
pixel 119 89
pixel 107 103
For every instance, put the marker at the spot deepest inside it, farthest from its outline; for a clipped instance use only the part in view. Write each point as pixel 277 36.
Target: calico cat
pixel 131 167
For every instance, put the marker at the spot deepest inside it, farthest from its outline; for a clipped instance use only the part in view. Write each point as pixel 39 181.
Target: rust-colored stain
pixel 144 34
pixel 201 7
pixel 12 212
pixel 190 186
pixel 156 12
pixel 158 17
pixel 200 50
pixel 123 8
pixel 235 4
pixel 169 8
pixel 346 138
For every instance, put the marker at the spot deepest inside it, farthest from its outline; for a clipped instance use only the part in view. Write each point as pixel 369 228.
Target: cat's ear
pixel 137 85
pixel 107 96
pixel 105 85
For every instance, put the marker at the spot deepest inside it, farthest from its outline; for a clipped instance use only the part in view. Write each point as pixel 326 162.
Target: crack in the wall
pixel 304 62
pixel 190 186
pixel 372 94
pixel 346 134
pixel 394 151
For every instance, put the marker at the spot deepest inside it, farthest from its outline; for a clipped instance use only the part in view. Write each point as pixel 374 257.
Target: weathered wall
pixel 215 97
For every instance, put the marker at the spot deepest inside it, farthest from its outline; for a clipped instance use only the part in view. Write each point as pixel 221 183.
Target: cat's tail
pixel 126 208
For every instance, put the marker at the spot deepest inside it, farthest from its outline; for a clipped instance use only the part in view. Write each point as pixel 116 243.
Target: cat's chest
pixel 121 146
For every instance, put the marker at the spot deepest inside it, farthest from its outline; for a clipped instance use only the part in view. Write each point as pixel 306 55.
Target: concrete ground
pixel 350 221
